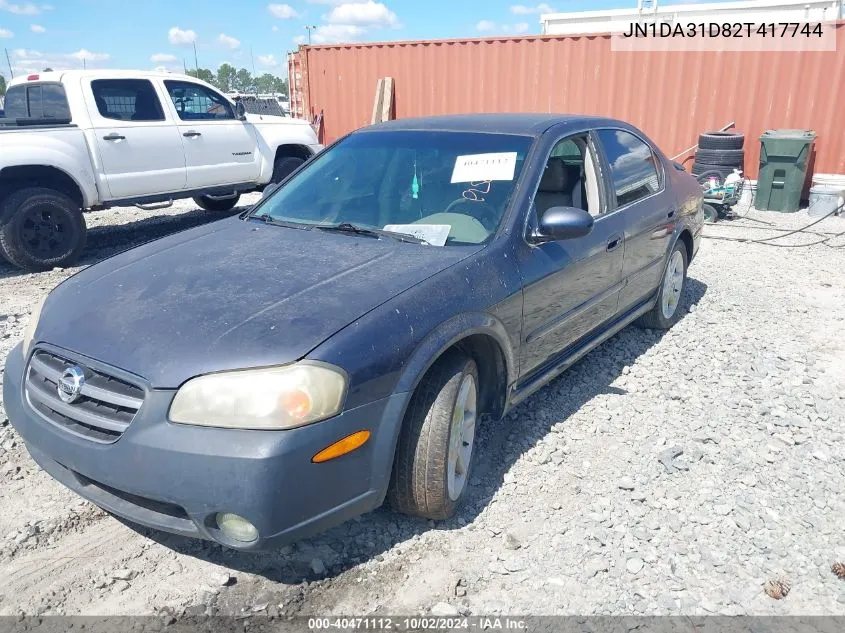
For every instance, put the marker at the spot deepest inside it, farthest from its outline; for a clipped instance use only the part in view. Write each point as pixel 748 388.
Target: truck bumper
pixel 176 478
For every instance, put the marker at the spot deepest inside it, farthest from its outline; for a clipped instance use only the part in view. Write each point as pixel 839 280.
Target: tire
pixel 721 140
pixel 41 229
pixel 284 167
pixel 724 157
pixel 659 318
pixel 711 213
pixel 423 483
pixel 217 204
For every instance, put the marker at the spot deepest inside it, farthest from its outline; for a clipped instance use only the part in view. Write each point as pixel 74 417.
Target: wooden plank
pixel 387 102
pixel 377 105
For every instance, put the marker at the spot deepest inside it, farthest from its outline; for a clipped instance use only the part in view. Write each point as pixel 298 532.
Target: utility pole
pixel 309 29
pixel 184 66
pixel 253 60
pixel 196 63
pixel 8 61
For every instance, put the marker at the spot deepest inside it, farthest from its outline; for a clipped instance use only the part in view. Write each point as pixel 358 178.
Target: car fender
pixel 445 336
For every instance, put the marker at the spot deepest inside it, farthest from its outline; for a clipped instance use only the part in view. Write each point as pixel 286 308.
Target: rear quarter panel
pixel 690 203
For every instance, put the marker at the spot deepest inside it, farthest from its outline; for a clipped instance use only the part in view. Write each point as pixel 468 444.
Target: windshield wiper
pixel 268 219
pixel 348 227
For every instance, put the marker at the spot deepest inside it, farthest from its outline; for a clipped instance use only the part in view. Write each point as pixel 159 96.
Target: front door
pixel 570 287
pixel 639 195
pixel 219 149
pixel 140 149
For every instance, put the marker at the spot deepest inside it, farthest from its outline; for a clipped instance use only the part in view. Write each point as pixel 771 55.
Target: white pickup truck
pixel 80 140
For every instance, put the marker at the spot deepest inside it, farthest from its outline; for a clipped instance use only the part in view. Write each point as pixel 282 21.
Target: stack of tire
pixel 719 153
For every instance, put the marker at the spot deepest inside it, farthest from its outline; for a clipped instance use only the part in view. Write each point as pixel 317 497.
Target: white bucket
pixel 829 180
pixel 749 191
pixel 824 199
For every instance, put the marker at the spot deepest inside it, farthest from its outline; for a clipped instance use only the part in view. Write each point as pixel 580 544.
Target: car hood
pixel 229 295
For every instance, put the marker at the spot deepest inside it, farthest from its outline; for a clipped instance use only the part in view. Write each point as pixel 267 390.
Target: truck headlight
pixel 272 398
pixel 29 332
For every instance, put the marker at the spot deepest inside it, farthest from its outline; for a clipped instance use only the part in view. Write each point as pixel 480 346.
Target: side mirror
pixel 240 110
pixel 563 223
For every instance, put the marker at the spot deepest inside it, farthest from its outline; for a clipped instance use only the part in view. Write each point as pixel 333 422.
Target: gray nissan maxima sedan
pixel 263 377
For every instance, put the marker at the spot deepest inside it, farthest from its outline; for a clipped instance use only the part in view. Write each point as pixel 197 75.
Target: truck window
pixel 127 100
pixel 37 101
pixel 194 102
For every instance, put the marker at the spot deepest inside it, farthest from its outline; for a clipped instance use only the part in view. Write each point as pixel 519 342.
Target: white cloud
pixel 88 56
pixel 485 25
pixel 521 9
pixel 163 58
pixel 267 60
pixel 228 41
pixel 282 11
pixel 274 28
pixel 27 8
pixel 37 28
pixel 329 33
pixel 6 34
pixel 368 14
pixel 179 37
pixel 488 26
pixel 521 27
pixel 332 3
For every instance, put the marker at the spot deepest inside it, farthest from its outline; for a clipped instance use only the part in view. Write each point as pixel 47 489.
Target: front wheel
pixel 666 311
pixel 217 203
pixel 41 228
pixel 434 454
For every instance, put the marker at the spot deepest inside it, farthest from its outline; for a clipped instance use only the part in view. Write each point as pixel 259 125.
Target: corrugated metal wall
pixel 672 97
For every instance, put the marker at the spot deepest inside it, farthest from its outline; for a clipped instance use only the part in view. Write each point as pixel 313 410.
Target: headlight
pixel 272 398
pixel 29 332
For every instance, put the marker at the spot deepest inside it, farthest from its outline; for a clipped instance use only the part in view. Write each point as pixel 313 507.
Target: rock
pixel 318 567
pixel 594 566
pixel 123 574
pixel 626 483
pixel 444 609
pixel 634 565
pixel 511 542
pixel 221 579
pixel 120 586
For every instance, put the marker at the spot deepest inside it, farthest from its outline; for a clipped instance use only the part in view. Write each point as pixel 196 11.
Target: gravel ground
pixel 670 473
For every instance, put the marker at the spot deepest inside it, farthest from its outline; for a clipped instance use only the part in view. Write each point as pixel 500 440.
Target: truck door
pixel 219 149
pixel 140 148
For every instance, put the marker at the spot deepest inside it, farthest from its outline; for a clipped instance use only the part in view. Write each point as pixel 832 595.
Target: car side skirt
pixel 576 351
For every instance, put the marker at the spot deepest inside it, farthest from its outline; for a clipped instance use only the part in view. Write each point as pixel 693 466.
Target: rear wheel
pixel 41 228
pixel 217 203
pixel 284 167
pixel 666 311
pixel 434 454
pixel 711 213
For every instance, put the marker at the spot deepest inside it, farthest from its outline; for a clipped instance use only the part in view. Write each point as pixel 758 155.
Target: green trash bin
pixel 784 157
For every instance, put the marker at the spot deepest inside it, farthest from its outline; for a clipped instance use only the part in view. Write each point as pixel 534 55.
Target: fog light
pixel 236 528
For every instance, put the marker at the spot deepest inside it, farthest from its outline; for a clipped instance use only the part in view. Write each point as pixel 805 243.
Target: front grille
pixel 102 411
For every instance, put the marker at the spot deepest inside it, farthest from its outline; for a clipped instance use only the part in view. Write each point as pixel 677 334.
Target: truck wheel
pixel 434 454
pixel 217 203
pixel 666 311
pixel 41 228
pixel 284 167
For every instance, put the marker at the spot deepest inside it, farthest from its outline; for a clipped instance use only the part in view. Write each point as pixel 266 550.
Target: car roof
pixel 529 124
pixel 68 75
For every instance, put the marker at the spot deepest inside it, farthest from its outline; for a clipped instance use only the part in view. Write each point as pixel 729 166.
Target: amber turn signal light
pixel 342 447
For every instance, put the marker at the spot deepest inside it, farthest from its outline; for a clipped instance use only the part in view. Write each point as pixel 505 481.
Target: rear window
pixel 37 101
pixel 127 100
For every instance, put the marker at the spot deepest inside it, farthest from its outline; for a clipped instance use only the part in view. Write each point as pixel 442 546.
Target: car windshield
pixel 446 188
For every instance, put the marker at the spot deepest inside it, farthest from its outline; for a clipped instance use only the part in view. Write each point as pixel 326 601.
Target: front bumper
pixel 176 477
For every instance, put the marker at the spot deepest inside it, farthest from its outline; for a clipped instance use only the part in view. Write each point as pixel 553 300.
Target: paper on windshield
pixel 434 234
pixel 476 167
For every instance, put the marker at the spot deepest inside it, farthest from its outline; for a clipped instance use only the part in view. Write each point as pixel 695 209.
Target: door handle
pixel 614 242
pixel 671 214
pixel 114 137
pixel 192 134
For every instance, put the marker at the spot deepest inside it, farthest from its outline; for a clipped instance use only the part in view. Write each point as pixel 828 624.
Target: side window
pixel 633 166
pixel 54 102
pixel 194 102
pixel 127 100
pixel 569 178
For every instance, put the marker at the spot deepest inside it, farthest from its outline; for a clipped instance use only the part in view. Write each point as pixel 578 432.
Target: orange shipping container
pixel 671 96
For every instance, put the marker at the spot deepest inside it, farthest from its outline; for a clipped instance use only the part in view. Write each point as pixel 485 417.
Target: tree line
pixel 230 79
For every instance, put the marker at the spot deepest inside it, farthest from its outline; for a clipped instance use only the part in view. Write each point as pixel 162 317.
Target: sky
pixel 149 34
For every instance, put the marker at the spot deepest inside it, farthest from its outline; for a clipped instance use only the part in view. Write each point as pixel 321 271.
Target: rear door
pixel 640 196
pixel 140 149
pixel 219 149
